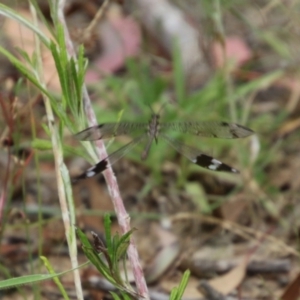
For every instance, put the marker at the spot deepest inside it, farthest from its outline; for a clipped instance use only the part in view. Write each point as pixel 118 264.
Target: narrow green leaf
pixel 82 64
pixel 60 67
pixel 56 278
pixel 122 250
pixel 42 17
pixel 25 71
pixel 73 103
pixel 46 129
pixel 54 11
pixel 126 296
pixel 107 227
pixel 123 244
pixel 94 257
pixel 115 295
pixel 276 43
pixel 113 252
pixel 24 55
pixel 61 127
pixel 28 279
pixel 125 237
pixel 182 286
pixel 174 292
pixel 258 84
pixel 83 238
pixel 62 44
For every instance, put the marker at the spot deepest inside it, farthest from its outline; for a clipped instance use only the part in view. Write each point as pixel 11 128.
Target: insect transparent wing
pixel 110 130
pixel 208 129
pixel 111 159
pixel 198 158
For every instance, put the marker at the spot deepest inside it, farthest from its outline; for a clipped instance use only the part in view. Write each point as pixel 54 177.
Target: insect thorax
pixel 153 127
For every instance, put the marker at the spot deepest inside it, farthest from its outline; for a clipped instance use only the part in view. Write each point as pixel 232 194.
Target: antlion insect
pixel 153 130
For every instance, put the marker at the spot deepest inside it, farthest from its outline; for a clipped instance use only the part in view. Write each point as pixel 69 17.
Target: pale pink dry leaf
pixel 236 51
pixel 120 38
pixel 23 38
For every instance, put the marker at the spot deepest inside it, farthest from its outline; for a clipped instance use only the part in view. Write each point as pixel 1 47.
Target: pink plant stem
pixel 113 188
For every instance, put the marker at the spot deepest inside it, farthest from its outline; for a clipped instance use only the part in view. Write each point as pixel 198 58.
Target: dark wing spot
pixel 203 160
pixel 225 168
pixel 213 164
pixel 99 167
pixel 224 124
pixel 91 172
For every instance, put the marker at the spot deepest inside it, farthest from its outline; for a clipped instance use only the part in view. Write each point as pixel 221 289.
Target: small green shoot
pixel 107 258
pixel 177 292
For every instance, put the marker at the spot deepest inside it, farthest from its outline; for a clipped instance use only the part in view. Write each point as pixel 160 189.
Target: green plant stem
pixel 59 166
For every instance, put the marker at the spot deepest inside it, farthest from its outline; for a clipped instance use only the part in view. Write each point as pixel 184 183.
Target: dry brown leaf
pixel 163 261
pixel 288 127
pixel 231 280
pixel 165 237
pixel 232 210
pixel 292 292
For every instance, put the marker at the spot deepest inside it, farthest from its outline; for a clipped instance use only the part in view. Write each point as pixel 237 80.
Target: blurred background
pixel 233 61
